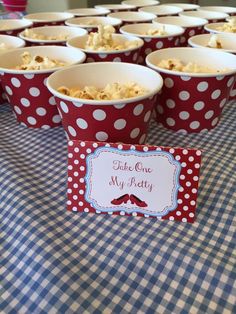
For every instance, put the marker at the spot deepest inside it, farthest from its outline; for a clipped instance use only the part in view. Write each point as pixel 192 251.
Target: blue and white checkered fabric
pixel 54 261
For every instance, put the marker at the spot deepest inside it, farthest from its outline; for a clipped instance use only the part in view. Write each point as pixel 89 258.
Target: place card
pixel 133 180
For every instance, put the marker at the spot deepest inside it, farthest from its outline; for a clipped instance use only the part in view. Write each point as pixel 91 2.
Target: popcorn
pixel 103 40
pixel 214 42
pixel 190 67
pixel 38 62
pixel 92 22
pixel 111 91
pixel 29 33
pixel 228 27
pixel 156 32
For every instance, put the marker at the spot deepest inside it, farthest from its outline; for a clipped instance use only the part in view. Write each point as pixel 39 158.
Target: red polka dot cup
pixel 130 55
pixel 193 102
pixel 116 7
pixel 211 16
pixel 48 18
pixel 133 17
pixel 141 3
pixel 192 25
pixel 228 42
pixel 52 31
pixel 185 6
pixel 162 10
pixel 15 5
pixel 91 23
pixel 13 27
pixel 8 43
pixel 228 10
pixel 32 103
pixel 153 42
pixel 89 12
pixel 120 120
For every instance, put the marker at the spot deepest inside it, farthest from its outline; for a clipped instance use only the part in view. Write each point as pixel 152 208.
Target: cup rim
pixel 30 17
pixel 34 40
pixel 201 23
pixel 115 6
pixel 139 5
pixel 195 45
pixel 180 32
pixel 209 8
pixel 15 71
pixel 68 22
pixel 80 11
pixel 218 15
pixel 166 6
pixel 22 24
pixel 211 27
pixel 14 38
pixel 105 102
pixel 187 6
pixel 146 16
pixel 191 74
pixel 141 43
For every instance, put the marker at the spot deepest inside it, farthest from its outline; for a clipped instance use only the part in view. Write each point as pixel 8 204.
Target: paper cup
pixel 15 5
pixel 70 32
pixel 133 17
pixel 91 23
pixel 185 6
pixel 89 12
pixel 228 10
pixel 10 42
pixel 162 10
pixel 32 103
pixel 48 18
pixel 214 28
pixel 228 42
pixel 211 16
pixel 192 25
pixel 13 26
pixel 116 7
pixel 193 102
pixel 141 3
pixel 126 55
pixel 152 43
pixel 124 120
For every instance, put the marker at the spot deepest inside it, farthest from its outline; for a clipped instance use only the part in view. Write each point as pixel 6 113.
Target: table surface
pixel 55 261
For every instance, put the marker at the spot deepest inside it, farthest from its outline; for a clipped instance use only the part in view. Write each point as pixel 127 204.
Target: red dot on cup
pixel 199 105
pixel 214 122
pixel 31 120
pixel 189 171
pixel 185 151
pixel 184 219
pixel 184 115
pixel 120 124
pixel 169 83
pixel 15 82
pixel 142 139
pixel 223 102
pixel 216 94
pixel 64 107
pixel 209 114
pixel 117 59
pixel 56 118
pixel 101 136
pixel 230 81
pixel 171 150
pixel 185 208
pixel 202 86
pixel 72 131
pixel 134 133
pixel 74 209
pixel 147 116
pixel 194 125
pixel 170 121
pixel 138 110
pixel 170 103
pixel 41 111
pixel 171 218
pixel 160 109
pixel 34 91
pixel 17 110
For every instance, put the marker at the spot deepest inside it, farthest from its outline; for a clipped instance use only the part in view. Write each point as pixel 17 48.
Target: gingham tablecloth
pixel 54 261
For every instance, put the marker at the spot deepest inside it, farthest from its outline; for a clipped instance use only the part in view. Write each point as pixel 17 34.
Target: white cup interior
pixel 213 28
pixel 208 57
pixel 11 59
pixel 79 42
pixel 106 73
pixel 96 20
pixel 12 24
pixel 162 10
pixel 183 21
pixel 141 3
pixel 11 42
pixel 48 16
pixel 209 15
pixel 224 9
pixel 133 16
pixel 54 31
pixel 141 28
pixel 88 11
pixel 228 41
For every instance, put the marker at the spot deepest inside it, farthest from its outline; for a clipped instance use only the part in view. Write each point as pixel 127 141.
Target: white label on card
pixel 132 181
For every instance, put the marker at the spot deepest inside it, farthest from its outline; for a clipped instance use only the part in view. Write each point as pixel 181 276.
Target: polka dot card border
pixel 189 159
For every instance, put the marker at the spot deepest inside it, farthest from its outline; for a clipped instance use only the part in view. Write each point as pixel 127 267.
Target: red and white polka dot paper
pixel 34 106
pixel 90 164
pixel 192 104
